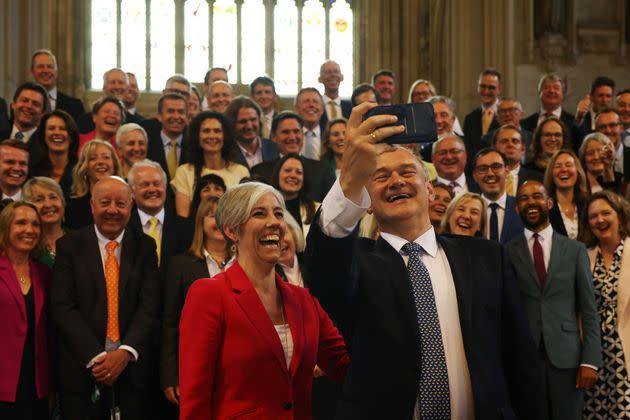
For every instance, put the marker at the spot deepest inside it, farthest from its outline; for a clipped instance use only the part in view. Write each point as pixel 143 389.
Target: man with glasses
pixel 490 173
pixel 450 157
pixel 608 123
pixel 509 112
pixel 482 119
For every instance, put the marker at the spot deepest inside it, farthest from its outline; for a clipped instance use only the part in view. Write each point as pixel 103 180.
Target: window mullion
pixel 118 33
pixel 269 37
pixel 327 5
pixel 239 44
pixel 211 33
pixel 147 45
pixel 179 36
pixel 300 7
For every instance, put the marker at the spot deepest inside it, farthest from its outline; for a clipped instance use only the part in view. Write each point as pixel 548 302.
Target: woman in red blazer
pixel 24 376
pixel 249 341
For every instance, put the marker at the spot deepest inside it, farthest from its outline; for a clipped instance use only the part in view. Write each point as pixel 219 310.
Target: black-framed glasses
pixel 483 169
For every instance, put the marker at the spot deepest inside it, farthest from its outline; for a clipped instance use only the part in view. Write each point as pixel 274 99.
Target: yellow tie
pixel 171 159
pixel 111 285
pixel 333 110
pixel 155 234
pixel 509 184
pixel 487 120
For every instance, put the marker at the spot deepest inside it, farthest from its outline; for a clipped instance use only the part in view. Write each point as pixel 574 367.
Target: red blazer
pixel 14 328
pixel 231 362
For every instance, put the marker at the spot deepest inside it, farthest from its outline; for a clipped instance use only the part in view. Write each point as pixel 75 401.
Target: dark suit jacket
pixel 364 286
pixel 269 152
pixel 346 110
pixel 319 179
pixel 231 359
pixel 78 212
pixel 72 106
pixel 182 271
pixel 472 131
pixel 5 125
pixel 531 122
pixel 512 223
pixel 526 174
pixel 13 333
pixel 553 311
pixel 78 306
pixel 155 150
pixel 555 218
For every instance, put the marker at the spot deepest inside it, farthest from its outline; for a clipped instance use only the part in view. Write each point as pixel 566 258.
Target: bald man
pixel 103 302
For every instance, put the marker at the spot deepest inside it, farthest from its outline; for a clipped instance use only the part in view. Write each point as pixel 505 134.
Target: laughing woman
pixel 439 204
pixel 465 215
pixel 248 340
pixel 606 229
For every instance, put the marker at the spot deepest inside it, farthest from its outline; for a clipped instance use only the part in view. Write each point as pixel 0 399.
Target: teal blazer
pixel 568 296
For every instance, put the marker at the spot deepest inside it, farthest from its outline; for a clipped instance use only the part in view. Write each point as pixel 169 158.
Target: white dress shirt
pixel 545 242
pixel 166 142
pixel 213 267
pixel 339 216
pixel 461 186
pixel 312 145
pixel 26 134
pixel 15 197
pixel 145 222
pixel 502 202
pixel 541 114
pixel 102 243
pixel 52 98
pixel 255 158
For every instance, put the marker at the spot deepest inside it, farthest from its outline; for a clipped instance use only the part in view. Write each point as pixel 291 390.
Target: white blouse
pixel 284 333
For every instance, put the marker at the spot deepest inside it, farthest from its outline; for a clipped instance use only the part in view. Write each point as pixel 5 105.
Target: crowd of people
pixel 484 275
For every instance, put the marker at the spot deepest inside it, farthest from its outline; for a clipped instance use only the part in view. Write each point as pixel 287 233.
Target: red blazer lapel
pixel 8 276
pixel 296 321
pixel 251 305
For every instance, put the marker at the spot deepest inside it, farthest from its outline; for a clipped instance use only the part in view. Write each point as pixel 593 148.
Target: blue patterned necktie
pixel 19 136
pixel 433 393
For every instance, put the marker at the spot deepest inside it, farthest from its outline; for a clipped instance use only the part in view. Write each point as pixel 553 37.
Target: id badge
pixel 115 413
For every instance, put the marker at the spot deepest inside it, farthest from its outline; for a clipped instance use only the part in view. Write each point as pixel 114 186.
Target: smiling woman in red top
pixel 249 341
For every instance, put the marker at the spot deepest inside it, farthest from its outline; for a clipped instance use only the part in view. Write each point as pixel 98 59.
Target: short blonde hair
pixel 44 182
pixel 6 218
pixel 80 183
pixel 461 199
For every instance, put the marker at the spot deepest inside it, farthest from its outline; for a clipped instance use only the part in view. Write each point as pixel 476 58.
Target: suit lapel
pixel 460 264
pixel 127 251
pixel 524 259
pixel 10 279
pixel 558 247
pixel 394 269
pixel 251 305
pixel 295 320
pixel 91 250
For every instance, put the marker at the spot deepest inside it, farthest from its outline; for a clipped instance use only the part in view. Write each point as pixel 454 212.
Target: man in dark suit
pixel 556 286
pixel 263 92
pixel 5 125
pixel 310 106
pixel 167 145
pixel 507 140
pixel 44 70
pixel 434 325
pixel 27 108
pixel 509 112
pixel 600 97
pixel 250 148
pixel 482 119
pixel 450 159
pixel 551 91
pixel 384 81
pixel 131 97
pixel 104 302
pixel 490 173
pixel 334 107
pixel 287 133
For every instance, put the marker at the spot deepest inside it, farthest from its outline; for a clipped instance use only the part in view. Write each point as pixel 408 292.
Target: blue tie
pixel 433 393
pixel 494 222
pixel 19 136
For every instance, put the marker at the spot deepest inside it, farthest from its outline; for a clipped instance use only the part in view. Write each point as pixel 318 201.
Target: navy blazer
pixel 512 223
pixel 346 110
pixel 71 105
pixel 269 152
pixel 363 285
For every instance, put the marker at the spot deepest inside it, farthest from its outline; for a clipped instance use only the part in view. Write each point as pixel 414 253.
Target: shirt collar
pixel 460 180
pixel 316 131
pixel 245 151
pixel 15 197
pixel 545 234
pixel 427 241
pixel 52 93
pixel 492 107
pixel 327 100
pixel 502 201
pixel 167 141
pixel 145 217
pixel 103 240
pixel 556 112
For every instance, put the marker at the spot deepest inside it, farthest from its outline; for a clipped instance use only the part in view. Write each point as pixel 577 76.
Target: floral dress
pixel 610 396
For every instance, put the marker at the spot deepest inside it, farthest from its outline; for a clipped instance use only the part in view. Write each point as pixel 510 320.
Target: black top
pixel 26 385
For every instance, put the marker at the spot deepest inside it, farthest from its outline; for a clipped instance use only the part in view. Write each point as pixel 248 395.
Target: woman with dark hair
pixel 24 362
pixel 210 185
pixel 54 148
pixel 606 227
pixel 108 114
pixel 565 182
pixel 210 145
pixel 333 144
pixel 550 136
pixel 289 178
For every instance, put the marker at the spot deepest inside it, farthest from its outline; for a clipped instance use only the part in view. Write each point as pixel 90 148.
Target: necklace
pixel 22 280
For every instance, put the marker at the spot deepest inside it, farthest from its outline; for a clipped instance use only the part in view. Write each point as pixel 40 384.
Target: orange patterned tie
pixel 111 283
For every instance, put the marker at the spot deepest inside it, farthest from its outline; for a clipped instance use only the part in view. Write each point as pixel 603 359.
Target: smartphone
pixel 418 120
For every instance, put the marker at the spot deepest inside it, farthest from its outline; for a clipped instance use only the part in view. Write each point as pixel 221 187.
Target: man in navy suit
pixel 482 119
pixel 490 173
pixel 551 91
pixel 481 345
pixel 250 148
pixel 44 70
pixel 334 107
